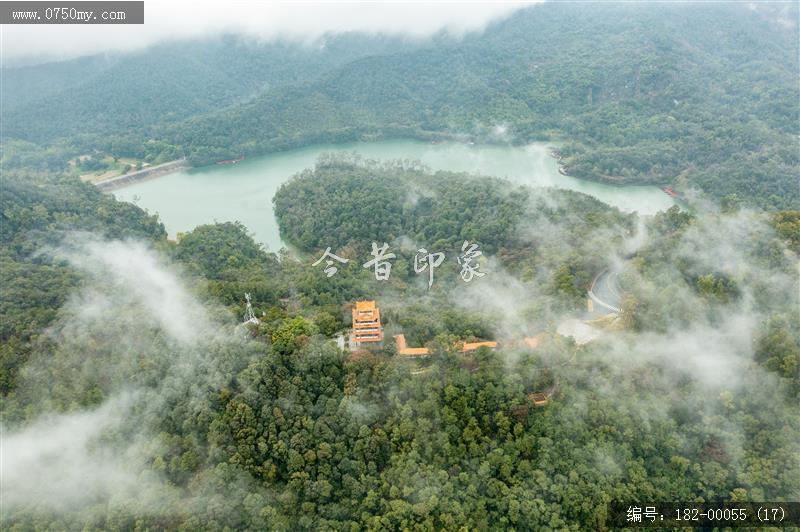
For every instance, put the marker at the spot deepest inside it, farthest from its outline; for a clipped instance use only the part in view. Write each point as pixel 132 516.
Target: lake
pixel 244 191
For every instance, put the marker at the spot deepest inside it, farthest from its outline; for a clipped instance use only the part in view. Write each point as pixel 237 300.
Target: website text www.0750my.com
pixel 72 12
pixel 67 14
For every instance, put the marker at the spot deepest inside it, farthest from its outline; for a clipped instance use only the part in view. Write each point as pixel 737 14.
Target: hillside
pixel 435 346
pixel 175 417
pixel 687 95
pixel 642 94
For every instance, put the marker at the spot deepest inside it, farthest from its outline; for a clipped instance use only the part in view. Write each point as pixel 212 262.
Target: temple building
pixel 405 351
pixel 473 346
pixel 366 323
pixel 538 398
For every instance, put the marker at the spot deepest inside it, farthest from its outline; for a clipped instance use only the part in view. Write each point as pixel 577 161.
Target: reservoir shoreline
pixel 171 167
pixel 186 198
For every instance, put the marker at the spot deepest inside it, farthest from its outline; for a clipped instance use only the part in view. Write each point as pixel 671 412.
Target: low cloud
pixel 131 345
pixel 132 271
pixel 60 462
pixel 301 21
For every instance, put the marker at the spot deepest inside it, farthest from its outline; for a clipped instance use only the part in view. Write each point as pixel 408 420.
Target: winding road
pixel 605 292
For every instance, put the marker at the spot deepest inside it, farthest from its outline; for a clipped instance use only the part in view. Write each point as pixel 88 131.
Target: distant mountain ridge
pixel 686 95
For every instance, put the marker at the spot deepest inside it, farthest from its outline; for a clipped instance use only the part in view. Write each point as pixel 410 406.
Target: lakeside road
pixel 140 175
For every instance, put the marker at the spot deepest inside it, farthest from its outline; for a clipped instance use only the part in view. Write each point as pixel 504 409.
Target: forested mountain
pixel 688 95
pixel 137 392
pixel 174 418
pixel 666 94
pixel 36 217
pixel 165 83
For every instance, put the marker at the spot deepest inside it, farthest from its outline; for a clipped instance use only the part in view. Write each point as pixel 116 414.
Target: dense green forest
pixel 698 96
pixel 347 203
pixel 135 393
pixel 194 422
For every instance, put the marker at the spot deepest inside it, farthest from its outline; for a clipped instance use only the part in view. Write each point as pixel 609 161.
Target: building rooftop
pixel 538 398
pixel 404 350
pixel 472 346
pixel 366 323
pixel 365 306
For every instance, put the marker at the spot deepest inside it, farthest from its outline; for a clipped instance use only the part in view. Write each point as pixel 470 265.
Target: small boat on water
pixel 670 192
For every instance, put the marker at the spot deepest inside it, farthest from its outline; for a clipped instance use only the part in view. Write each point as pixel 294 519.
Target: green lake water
pixel 244 191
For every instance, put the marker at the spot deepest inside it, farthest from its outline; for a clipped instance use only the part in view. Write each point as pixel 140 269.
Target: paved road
pixel 606 293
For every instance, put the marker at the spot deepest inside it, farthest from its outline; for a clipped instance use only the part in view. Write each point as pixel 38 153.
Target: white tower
pixel 249 317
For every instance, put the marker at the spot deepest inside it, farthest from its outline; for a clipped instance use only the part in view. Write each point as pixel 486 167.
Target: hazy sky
pixel 170 19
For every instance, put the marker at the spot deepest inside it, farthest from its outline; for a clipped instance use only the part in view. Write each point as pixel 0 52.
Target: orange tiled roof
pixel 414 351
pixel 364 306
pixel 367 322
pixel 472 346
pixel 404 350
pixel 538 398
